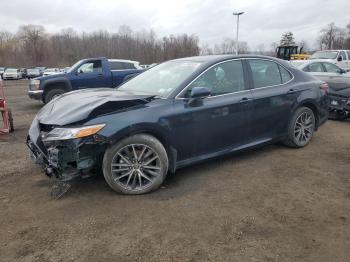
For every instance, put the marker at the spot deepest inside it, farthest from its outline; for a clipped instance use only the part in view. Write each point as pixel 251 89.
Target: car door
pixel 316 69
pixel 90 75
pixel 336 78
pixel 223 119
pixel 274 96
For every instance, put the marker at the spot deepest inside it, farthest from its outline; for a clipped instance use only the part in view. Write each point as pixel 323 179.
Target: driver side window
pixel 221 79
pixel 91 67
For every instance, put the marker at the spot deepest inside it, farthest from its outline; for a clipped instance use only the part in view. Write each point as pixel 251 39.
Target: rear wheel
pixel 53 93
pixel 301 128
pixel 135 165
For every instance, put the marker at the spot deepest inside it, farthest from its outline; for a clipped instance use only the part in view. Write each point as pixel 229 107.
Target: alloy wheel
pixel 304 127
pixel 135 167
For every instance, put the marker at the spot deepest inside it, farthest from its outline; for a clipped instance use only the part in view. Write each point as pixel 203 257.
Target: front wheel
pixel 301 128
pixel 53 93
pixel 136 165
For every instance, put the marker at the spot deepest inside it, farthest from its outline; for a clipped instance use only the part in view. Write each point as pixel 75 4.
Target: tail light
pixel 325 87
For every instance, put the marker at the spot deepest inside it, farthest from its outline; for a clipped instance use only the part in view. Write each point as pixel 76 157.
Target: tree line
pixel 32 46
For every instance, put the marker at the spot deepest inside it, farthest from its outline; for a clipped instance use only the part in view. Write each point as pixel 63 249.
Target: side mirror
pixel 342 71
pixel 340 58
pixel 198 92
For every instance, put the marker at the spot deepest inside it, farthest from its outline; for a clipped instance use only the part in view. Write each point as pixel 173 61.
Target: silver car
pixel 338 80
pixel 327 71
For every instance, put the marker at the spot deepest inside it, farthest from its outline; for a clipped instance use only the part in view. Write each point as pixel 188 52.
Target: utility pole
pixel 237 14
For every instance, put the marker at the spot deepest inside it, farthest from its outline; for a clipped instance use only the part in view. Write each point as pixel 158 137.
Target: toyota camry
pixel 175 114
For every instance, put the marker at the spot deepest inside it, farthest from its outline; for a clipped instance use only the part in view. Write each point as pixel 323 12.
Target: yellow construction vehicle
pixel 291 52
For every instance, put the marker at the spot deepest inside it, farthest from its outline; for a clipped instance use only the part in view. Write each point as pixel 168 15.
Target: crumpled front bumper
pixel 338 102
pixel 67 159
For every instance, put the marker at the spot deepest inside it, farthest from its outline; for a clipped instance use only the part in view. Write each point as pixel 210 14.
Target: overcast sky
pixel 211 20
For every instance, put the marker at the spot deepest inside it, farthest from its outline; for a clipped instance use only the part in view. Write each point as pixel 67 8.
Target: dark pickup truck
pixel 86 73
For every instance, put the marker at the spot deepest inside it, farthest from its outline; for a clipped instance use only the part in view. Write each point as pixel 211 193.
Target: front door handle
pixel 292 91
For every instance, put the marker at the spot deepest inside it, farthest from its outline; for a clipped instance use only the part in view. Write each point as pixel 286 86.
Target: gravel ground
pixel 270 204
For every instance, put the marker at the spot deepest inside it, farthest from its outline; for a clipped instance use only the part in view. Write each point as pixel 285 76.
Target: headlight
pixel 35 83
pixel 72 133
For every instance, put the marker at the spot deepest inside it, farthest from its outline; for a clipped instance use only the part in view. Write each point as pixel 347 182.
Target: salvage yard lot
pixel 270 204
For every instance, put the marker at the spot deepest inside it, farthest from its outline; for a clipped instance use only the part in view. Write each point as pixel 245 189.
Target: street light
pixel 237 14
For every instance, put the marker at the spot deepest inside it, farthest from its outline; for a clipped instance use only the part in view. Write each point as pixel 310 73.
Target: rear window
pixel 129 66
pixel 121 65
pixel 285 75
pixel 116 65
pixel 265 73
pixel 314 67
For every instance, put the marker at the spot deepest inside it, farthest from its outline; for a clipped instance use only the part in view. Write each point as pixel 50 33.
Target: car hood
pixel 82 105
pixel 46 77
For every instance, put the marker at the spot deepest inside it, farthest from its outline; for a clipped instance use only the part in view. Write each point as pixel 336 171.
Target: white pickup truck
pixel 339 57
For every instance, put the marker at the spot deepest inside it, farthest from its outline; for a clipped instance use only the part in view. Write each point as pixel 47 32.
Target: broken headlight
pixel 61 133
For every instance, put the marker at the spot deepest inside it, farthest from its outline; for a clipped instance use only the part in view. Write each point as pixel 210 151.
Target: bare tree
pixel 287 39
pixel 33 40
pixel 31 46
pixel 332 37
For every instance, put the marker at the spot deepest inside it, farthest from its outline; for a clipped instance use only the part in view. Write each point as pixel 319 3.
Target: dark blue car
pixel 86 73
pixel 175 114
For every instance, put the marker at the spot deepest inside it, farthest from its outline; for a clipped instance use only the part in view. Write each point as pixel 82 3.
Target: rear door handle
pixel 245 100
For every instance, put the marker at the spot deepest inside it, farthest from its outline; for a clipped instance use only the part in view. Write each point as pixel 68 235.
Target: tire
pixel 52 94
pixel 301 128
pixel 126 176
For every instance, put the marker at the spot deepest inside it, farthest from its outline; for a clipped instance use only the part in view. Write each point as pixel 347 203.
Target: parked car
pixel 12 73
pixel 86 73
pixel 23 72
pixel 176 114
pixel 51 71
pixel 33 72
pixel 339 57
pixel 41 69
pixel 65 70
pixel 2 70
pixel 338 80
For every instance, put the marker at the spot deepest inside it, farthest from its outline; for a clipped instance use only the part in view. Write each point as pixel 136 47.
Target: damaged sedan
pixel 176 114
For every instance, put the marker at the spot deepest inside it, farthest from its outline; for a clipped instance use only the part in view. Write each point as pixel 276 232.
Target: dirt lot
pixel 271 204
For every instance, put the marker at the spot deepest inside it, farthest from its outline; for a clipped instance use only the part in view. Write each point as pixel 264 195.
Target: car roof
pixel 212 59
pixel 123 60
pixel 332 50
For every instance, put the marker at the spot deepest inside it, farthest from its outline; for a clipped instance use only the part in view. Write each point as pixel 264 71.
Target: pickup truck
pixel 338 57
pixel 86 73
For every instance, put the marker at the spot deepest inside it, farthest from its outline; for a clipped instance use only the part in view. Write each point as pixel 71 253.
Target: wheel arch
pixel 157 132
pixel 56 83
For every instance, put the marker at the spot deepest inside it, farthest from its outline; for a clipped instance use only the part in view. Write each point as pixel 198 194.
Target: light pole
pixel 237 14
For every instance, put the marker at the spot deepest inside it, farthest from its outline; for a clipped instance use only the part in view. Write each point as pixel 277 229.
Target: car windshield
pixel 73 67
pixel 11 70
pixel 324 55
pixel 162 79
